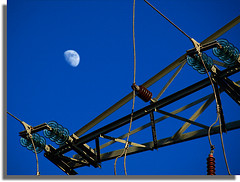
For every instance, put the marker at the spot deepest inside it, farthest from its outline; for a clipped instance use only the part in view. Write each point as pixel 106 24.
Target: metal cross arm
pixel 203 47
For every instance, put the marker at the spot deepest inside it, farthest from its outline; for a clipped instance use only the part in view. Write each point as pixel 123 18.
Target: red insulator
pixel 211 165
pixel 142 92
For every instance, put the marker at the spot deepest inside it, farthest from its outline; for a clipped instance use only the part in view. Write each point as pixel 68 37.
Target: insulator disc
pixel 25 142
pixel 196 62
pixel 41 146
pixel 190 61
pixel 57 133
pixel 36 141
pixel 63 138
pixel 231 57
pixel 228 53
pixel 50 133
pixel 52 124
pixel 236 54
pixel 202 71
pixel 220 52
pixel 197 66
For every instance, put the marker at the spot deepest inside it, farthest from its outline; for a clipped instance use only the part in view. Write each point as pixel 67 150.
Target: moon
pixel 72 57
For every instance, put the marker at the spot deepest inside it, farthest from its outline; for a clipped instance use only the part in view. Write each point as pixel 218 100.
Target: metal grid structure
pixel 86 156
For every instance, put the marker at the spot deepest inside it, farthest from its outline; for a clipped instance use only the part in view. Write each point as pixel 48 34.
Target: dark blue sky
pixel 41 86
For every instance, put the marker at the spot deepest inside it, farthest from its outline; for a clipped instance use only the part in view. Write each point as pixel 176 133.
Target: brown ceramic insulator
pixel 211 165
pixel 142 92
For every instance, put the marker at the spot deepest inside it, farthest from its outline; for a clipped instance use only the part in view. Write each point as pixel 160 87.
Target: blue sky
pixel 41 86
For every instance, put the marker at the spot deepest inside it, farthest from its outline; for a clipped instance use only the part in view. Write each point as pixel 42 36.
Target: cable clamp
pixel 27 128
pixel 196 45
pixel 212 149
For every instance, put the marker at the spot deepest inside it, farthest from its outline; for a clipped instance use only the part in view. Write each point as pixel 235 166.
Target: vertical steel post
pixel 153 130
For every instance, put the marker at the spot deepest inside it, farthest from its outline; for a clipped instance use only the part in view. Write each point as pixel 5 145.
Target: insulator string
pixel 211 165
pixel 227 53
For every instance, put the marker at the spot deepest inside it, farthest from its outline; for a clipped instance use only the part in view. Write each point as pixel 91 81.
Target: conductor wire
pixel 223 148
pixel 168 19
pixel 134 92
pixel 28 129
pixel 209 133
pixel 134 95
pixel 127 144
pixel 15 117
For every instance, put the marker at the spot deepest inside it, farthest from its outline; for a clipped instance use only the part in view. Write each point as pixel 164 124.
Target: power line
pixel 168 19
pixel 209 133
pixel 28 129
pixel 15 117
pixel 223 148
pixel 134 94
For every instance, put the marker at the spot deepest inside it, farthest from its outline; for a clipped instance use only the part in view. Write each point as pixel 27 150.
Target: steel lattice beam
pixel 170 141
pixel 146 110
pixel 159 104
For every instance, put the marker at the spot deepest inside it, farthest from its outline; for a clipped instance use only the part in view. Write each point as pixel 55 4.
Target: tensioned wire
pixel 28 130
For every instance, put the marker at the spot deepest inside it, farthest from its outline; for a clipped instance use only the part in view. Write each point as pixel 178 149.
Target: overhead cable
pixel 134 94
pixel 28 130
pixel 168 19
pixel 223 148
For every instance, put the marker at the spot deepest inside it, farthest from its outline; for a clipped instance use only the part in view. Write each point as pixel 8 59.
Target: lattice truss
pixel 93 156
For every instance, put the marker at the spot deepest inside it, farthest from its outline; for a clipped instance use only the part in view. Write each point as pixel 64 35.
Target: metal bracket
pixel 34 129
pixel 59 161
pixel 203 47
pixel 86 154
